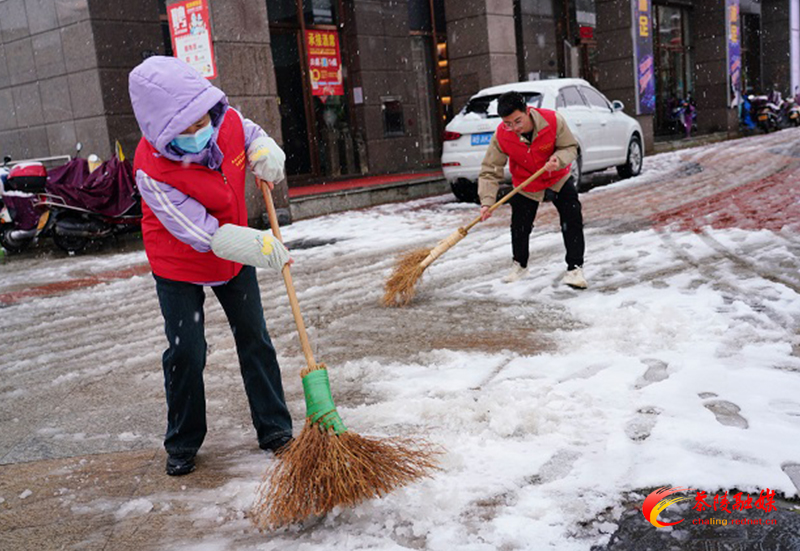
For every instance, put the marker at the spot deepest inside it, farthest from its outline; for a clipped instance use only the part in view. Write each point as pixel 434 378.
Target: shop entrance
pixel 673 57
pixel 314 97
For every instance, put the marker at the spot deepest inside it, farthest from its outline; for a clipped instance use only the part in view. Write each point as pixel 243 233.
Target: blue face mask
pixel 194 143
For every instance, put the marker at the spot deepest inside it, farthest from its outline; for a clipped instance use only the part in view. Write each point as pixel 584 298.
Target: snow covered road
pixel 678 366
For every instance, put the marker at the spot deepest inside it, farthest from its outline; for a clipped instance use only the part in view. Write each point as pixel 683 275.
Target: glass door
pixel 674 76
pixel 294 119
pixel 315 110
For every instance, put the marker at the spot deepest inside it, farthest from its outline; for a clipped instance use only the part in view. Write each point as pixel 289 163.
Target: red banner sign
pixel 190 30
pixel 324 63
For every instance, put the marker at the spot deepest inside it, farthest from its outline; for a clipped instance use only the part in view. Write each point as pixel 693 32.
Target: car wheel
pixel 633 165
pixel 575 171
pixel 465 190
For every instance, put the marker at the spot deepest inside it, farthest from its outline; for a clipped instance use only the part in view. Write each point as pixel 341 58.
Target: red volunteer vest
pixel 221 193
pixel 524 160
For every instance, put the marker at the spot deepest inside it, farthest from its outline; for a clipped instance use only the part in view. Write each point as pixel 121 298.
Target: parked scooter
pixel 72 204
pixel 92 204
pixel 789 113
pixel 762 113
pixel 23 219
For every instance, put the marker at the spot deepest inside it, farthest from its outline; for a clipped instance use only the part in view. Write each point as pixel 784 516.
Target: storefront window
pixel 319 12
pixel 282 11
pixel 308 57
pixel 428 127
pixel 673 55
pixel 419 15
pixel 393 121
pixel 294 125
pixel 162 16
pixel 539 42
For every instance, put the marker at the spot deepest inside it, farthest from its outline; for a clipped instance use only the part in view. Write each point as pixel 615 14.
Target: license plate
pixel 482 139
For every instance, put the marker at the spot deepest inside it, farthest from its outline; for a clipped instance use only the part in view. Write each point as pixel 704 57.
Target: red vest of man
pixel 524 159
pixel 221 192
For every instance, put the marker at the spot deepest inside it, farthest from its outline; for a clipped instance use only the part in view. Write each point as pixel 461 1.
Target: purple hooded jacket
pixel 168 96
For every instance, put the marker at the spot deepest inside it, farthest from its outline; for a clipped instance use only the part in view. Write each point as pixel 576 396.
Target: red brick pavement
pixel 72 284
pixel 772 204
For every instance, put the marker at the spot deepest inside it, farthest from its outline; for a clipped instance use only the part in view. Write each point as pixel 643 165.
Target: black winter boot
pixel 180 464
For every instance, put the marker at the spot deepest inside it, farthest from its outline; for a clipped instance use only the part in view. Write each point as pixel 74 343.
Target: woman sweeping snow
pixel 190 168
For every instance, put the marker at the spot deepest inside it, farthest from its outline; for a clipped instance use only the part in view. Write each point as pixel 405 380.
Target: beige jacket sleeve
pixel 566 144
pixel 492 173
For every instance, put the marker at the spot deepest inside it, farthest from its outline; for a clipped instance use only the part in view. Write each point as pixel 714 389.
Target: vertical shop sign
pixel 190 30
pixel 643 57
pixel 734 53
pixel 324 63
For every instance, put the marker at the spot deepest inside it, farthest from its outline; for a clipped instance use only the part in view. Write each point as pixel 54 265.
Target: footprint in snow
pixel 726 413
pixel 657 371
pixel 641 426
pixel 792 470
pixel 556 468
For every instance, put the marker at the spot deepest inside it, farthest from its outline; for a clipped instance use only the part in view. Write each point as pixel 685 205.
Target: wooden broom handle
pixel 287 277
pixel 508 196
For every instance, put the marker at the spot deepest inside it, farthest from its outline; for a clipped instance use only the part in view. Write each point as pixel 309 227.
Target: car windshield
pixel 485 107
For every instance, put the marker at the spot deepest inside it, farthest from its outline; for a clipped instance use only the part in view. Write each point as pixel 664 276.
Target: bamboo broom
pixel 400 288
pixel 328 465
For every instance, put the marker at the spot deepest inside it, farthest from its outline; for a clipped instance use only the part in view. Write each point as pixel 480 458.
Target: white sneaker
pixel 517 272
pixel 574 278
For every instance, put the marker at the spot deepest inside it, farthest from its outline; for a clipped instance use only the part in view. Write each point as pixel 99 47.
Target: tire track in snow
pixel 776 318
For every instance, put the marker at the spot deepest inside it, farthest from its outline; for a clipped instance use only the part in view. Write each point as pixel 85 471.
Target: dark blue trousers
pixel 185 358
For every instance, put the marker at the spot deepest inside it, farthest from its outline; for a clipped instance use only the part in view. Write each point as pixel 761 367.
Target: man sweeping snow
pixel 529 139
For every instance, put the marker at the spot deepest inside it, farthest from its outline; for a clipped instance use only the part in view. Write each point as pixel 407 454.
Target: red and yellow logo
pixel 657 502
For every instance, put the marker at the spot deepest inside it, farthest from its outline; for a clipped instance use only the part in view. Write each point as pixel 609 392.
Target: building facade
pixel 404 68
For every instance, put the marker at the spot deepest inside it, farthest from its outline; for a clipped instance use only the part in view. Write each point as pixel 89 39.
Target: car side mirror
pixel 6 160
pixel 618 105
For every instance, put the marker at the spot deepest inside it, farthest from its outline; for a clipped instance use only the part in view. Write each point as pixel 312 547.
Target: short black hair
pixel 510 102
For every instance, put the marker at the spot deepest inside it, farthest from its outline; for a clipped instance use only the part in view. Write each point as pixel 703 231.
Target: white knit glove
pixel 266 159
pixel 249 246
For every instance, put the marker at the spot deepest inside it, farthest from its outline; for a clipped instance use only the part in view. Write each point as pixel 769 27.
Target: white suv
pixel 606 136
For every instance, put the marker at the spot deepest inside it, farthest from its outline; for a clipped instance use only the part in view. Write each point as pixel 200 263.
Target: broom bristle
pixel 322 470
pixel 400 287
